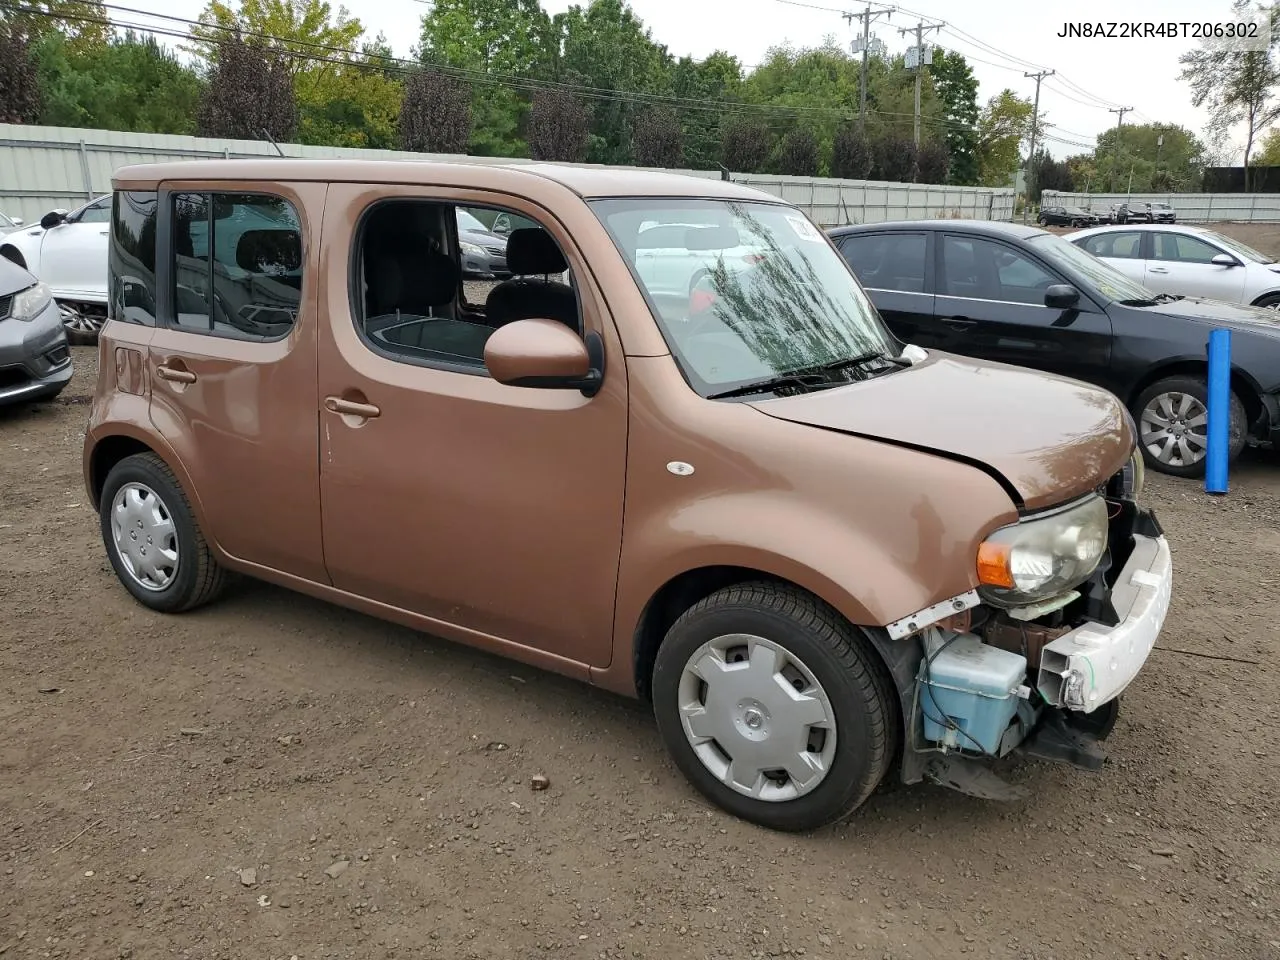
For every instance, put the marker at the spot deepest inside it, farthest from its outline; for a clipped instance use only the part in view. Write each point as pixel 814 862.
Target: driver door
pixel 991 296
pixel 73 255
pixel 1183 265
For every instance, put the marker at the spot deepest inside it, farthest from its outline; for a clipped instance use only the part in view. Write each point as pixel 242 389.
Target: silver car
pixel 35 362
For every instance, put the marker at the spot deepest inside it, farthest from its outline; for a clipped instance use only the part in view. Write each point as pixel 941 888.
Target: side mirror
pixel 1225 260
pixel 53 218
pixel 543 353
pixel 1061 296
pixel 501 224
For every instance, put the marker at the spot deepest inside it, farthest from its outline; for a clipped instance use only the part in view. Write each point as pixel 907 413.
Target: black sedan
pixel 1024 296
pixel 1067 217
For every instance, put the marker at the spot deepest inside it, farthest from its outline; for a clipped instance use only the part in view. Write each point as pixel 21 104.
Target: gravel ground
pixel 272 777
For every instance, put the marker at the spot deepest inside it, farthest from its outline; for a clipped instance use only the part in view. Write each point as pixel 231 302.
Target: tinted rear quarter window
pixel 887 261
pixel 131 258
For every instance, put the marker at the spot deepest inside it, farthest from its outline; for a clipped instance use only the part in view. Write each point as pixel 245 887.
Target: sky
pixel 1002 39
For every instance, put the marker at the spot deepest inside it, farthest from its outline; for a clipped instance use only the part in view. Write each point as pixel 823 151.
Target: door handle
pixel 175 375
pixel 1158 269
pixel 958 323
pixel 351 408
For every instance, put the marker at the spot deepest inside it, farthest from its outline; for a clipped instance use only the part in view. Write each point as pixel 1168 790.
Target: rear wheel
pixel 775 707
pixel 1270 302
pixel 82 321
pixel 1173 426
pixel 153 541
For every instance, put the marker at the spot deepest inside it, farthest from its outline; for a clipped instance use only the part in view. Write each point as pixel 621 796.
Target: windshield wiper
pixel 850 362
pixel 771 383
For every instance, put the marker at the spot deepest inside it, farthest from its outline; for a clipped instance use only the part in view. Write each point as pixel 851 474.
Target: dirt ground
pixel 272 777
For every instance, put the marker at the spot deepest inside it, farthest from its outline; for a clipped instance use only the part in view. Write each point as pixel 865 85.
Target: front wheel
pixel 1270 302
pixel 774 707
pixel 1173 426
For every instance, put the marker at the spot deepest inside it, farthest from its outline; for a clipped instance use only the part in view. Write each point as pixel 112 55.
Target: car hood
pixel 1235 316
pixel 1046 439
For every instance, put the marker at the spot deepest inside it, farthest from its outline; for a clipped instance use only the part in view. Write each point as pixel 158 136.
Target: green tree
pixel 131 83
pixel 1268 154
pixel 894 158
pixel 1004 121
pixel 83 24
pixel 20 93
pixel 797 154
pixel 1237 87
pixel 498 38
pixel 559 126
pixel 1045 173
pixel 933 162
pixel 818 85
pixel 609 48
pixel 718 78
pixel 851 156
pixel 745 146
pixel 340 100
pixel 957 89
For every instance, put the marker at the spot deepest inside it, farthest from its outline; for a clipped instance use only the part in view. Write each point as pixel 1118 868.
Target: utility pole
pixel 1035 127
pixel 1119 153
pixel 919 58
pixel 866 16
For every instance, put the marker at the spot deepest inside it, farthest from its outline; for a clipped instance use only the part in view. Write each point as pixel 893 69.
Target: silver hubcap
pixel 757 717
pixel 73 318
pixel 1175 429
pixel 144 535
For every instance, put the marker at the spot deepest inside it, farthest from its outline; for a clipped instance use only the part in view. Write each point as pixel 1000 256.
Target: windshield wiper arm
pixel 764 386
pixel 848 362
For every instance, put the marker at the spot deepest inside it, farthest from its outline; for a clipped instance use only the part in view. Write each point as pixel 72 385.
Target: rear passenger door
pixel 233 364
pixel 991 295
pixel 1121 249
pixel 895 269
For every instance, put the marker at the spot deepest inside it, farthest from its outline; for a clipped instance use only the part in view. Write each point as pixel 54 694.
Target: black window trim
pixel 165 273
pixel 355 260
pixel 1143 242
pixel 929 273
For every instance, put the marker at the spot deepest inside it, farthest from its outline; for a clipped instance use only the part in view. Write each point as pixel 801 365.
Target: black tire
pixel 1270 302
pixel 1198 388
pixel 199 578
pixel 840 658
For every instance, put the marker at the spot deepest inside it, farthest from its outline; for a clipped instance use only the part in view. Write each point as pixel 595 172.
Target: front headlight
pixel 1043 556
pixel 31 302
pixel 471 249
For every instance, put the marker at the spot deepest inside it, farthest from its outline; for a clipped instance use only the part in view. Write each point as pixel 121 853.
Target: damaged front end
pixel 1034 661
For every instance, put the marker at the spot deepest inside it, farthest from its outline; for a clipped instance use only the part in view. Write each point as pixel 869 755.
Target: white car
pixel 1186 261
pixel 68 251
pixel 670 260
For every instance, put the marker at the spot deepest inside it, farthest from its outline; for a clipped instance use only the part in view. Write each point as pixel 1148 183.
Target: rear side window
pixel 131 258
pixel 887 261
pixel 1183 249
pixel 237 267
pixel 1121 246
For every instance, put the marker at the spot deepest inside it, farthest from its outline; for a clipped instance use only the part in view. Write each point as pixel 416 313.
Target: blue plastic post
pixel 1215 466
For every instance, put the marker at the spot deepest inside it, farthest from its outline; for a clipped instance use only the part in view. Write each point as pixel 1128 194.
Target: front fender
pixel 26 245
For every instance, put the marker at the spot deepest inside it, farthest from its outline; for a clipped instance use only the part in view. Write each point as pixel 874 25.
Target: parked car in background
pixel 1066 217
pixel 674 257
pixel 1151 213
pixel 9 224
pixel 68 251
pixel 801 541
pixel 1187 261
pixel 35 363
pixel 484 253
pixel 1020 295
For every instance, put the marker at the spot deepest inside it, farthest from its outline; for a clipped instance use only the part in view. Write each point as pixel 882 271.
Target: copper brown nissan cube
pixel 647 461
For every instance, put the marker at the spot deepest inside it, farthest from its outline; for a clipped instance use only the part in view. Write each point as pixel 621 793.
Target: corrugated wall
pixel 1190 207
pixel 42 168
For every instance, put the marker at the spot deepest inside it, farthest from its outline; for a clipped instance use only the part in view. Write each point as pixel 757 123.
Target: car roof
pixel 586 182
pixel 1148 227
pixel 990 228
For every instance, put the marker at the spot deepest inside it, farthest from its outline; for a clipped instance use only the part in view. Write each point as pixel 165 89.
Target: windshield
pixel 745 292
pixel 1109 281
pixel 467 221
pixel 1235 246
pixel 6 222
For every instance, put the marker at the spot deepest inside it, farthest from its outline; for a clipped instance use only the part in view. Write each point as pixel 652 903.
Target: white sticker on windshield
pixel 803 228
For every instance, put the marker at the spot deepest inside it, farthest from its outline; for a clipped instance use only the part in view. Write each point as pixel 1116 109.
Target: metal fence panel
pixel 1189 207
pixel 42 168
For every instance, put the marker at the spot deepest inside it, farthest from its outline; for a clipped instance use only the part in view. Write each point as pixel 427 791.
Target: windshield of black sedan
pixel 744 291
pixel 1106 279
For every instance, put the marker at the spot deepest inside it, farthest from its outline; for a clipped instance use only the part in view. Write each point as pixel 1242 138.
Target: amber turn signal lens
pixel 993 565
